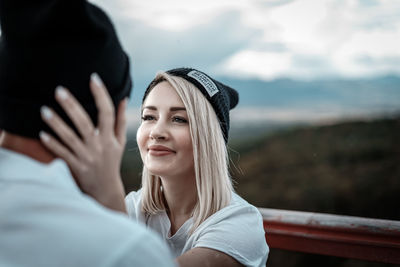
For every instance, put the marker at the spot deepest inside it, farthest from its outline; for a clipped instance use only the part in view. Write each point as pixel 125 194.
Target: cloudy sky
pixel 262 39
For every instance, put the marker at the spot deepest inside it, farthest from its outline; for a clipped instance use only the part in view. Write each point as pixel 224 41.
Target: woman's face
pixel 164 136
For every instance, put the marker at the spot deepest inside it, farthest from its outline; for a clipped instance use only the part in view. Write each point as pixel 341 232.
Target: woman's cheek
pixel 141 140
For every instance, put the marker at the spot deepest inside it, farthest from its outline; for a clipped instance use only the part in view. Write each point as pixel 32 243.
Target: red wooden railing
pixel 334 235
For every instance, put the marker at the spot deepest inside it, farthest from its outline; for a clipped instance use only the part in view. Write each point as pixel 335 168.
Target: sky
pixel 261 39
pixel 303 39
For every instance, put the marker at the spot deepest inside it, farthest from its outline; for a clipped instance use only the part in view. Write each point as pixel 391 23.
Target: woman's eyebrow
pixel 177 108
pixel 149 107
pixel 171 108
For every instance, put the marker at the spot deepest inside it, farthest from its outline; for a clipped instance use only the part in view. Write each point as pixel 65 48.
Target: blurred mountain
pixel 380 92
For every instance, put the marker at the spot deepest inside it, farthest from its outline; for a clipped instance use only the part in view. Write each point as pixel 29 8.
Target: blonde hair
pixel 213 182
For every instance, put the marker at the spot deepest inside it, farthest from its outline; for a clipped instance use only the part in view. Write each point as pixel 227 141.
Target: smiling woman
pixel 187 195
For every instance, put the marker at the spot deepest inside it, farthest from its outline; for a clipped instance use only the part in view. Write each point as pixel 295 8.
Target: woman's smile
pixel 159 150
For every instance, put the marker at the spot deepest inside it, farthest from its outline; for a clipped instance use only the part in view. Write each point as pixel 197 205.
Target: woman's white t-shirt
pixel 236 230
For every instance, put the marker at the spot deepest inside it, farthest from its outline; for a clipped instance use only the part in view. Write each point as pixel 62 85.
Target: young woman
pixel 186 193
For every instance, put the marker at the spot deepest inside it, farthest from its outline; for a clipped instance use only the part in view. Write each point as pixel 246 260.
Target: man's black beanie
pixel 45 43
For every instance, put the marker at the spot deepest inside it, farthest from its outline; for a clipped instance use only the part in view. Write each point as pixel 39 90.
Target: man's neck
pixel 27 146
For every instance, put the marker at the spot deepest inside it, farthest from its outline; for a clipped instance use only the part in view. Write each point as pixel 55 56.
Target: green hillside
pixel 349 168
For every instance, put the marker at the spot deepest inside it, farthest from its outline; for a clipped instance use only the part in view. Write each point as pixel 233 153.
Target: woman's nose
pixel 156 136
pixel 159 131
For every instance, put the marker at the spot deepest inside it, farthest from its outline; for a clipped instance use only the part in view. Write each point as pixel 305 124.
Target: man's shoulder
pixel 124 241
pixel 64 223
pixel 88 215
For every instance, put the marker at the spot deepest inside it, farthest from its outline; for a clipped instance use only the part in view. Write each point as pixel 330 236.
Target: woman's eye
pixel 147 117
pixel 179 120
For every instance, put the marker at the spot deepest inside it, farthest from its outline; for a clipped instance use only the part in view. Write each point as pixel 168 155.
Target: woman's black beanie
pixel 55 42
pixel 221 97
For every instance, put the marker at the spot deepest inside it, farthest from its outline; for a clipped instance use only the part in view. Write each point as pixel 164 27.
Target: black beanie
pixel 222 97
pixel 55 42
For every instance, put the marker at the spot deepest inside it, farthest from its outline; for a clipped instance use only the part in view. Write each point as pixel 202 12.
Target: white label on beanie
pixel 204 80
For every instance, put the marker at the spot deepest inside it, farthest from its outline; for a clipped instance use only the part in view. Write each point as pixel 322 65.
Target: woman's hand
pixel 95 159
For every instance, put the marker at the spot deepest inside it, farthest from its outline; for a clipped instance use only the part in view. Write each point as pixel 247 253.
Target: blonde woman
pixel 186 195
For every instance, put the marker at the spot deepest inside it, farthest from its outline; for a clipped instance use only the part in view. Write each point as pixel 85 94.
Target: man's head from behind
pixel 55 42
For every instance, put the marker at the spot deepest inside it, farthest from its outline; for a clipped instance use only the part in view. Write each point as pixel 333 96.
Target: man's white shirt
pixel 45 220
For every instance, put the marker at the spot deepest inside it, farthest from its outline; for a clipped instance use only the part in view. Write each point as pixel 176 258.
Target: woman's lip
pixel 158 150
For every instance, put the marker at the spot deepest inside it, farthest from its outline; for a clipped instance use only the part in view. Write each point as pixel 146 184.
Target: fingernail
pixel 46 112
pixel 44 136
pixel 96 79
pixel 96 131
pixel 61 92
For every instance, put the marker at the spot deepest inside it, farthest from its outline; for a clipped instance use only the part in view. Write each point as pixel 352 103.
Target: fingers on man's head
pixel 120 127
pixel 75 112
pixel 104 104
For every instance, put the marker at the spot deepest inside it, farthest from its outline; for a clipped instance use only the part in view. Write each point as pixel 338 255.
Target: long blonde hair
pixel 213 182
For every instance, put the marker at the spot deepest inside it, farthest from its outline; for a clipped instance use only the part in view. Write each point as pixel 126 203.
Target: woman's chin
pixel 157 171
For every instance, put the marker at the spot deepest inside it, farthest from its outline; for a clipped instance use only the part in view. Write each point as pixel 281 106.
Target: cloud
pixel 202 46
pixel 305 39
pixel 253 63
pixel 322 39
pixel 172 15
